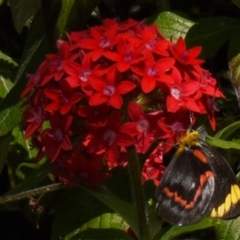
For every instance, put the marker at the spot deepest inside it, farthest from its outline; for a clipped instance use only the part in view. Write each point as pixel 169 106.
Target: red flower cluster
pixel 111 87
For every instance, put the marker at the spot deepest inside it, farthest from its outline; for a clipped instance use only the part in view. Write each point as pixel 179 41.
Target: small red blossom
pixel 34 118
pixel 146 128
pixel 129 52
pixel 95 115
pixel 175 125
pixel 78 74
pixel 153 167
pixel 99 41
pixel 181 95
pixel 206 105
pixel 109 90
pixel 55 62
pixel 56 138
pixel 154 42
pixel 184 56
pixel 109 138
pixel 207 84
pixel 154 72
pixel 33 81
pixel 63 99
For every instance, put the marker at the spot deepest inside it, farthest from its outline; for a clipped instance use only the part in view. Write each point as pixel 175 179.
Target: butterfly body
pixel 198 182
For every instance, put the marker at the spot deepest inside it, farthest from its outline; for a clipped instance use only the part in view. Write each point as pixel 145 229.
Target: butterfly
pixel 197 183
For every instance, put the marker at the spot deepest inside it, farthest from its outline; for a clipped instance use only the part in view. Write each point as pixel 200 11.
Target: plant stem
pixel 138 195
pixel 31 193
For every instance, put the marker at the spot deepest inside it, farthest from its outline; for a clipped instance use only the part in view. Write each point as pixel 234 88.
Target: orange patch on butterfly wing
pixel 197 153
pixel 178 199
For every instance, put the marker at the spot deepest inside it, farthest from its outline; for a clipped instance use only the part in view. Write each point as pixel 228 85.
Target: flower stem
pixel 138 194
pixel 31 193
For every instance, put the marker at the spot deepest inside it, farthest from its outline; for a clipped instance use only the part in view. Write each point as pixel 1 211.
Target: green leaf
pixel 97 234
pixel 22 154
pixel 226 132
pixel 74 14
pixel 211 34
pixel 107 220
pixel 81 11
pixel 176 231
pixel 5 84
pixel 8 69
pixel 172 26
pixel 22 11
pixel 9 118
pixel 228 229
pixel 216 142
pixel 10 108
pixel 7 59
pixel 154 221
pixel 75 208
pixel 125 209
pixel 64 16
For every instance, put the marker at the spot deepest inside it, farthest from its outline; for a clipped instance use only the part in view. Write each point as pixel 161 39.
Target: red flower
pixel 183 55
pixel 56 138
pixel 109 138
pixel 76 97
pixel 154 42
pixel 34 118
pixel 75 169
pixel 206 105
pixel 33 81
pixel 154 72
pixel 95 115
pixel 146 128
pixel 110 89
pixel 35 115
pixel 100 40
pixel 153 167
pixel 181 95
pixel 55 62
pixel 174 126
pixel 207 84
pixel 129 26
pixel 75 37
pixel 63 98
pixel 129 52
pixel 79 73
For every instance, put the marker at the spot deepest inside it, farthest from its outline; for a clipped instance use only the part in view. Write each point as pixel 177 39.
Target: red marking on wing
pixel 188 205
pixel 200 155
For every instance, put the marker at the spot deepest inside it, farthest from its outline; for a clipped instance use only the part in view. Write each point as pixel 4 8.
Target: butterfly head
pixel 191 139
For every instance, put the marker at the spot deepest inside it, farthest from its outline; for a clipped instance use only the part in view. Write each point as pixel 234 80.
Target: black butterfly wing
pixel 198 182
pixel 225 202
pixel 185 190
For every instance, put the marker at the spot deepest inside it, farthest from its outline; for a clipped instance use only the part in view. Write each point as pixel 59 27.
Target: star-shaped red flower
pixel 184 56
pixel 109 138
pixel 109 89
pixel 56 138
